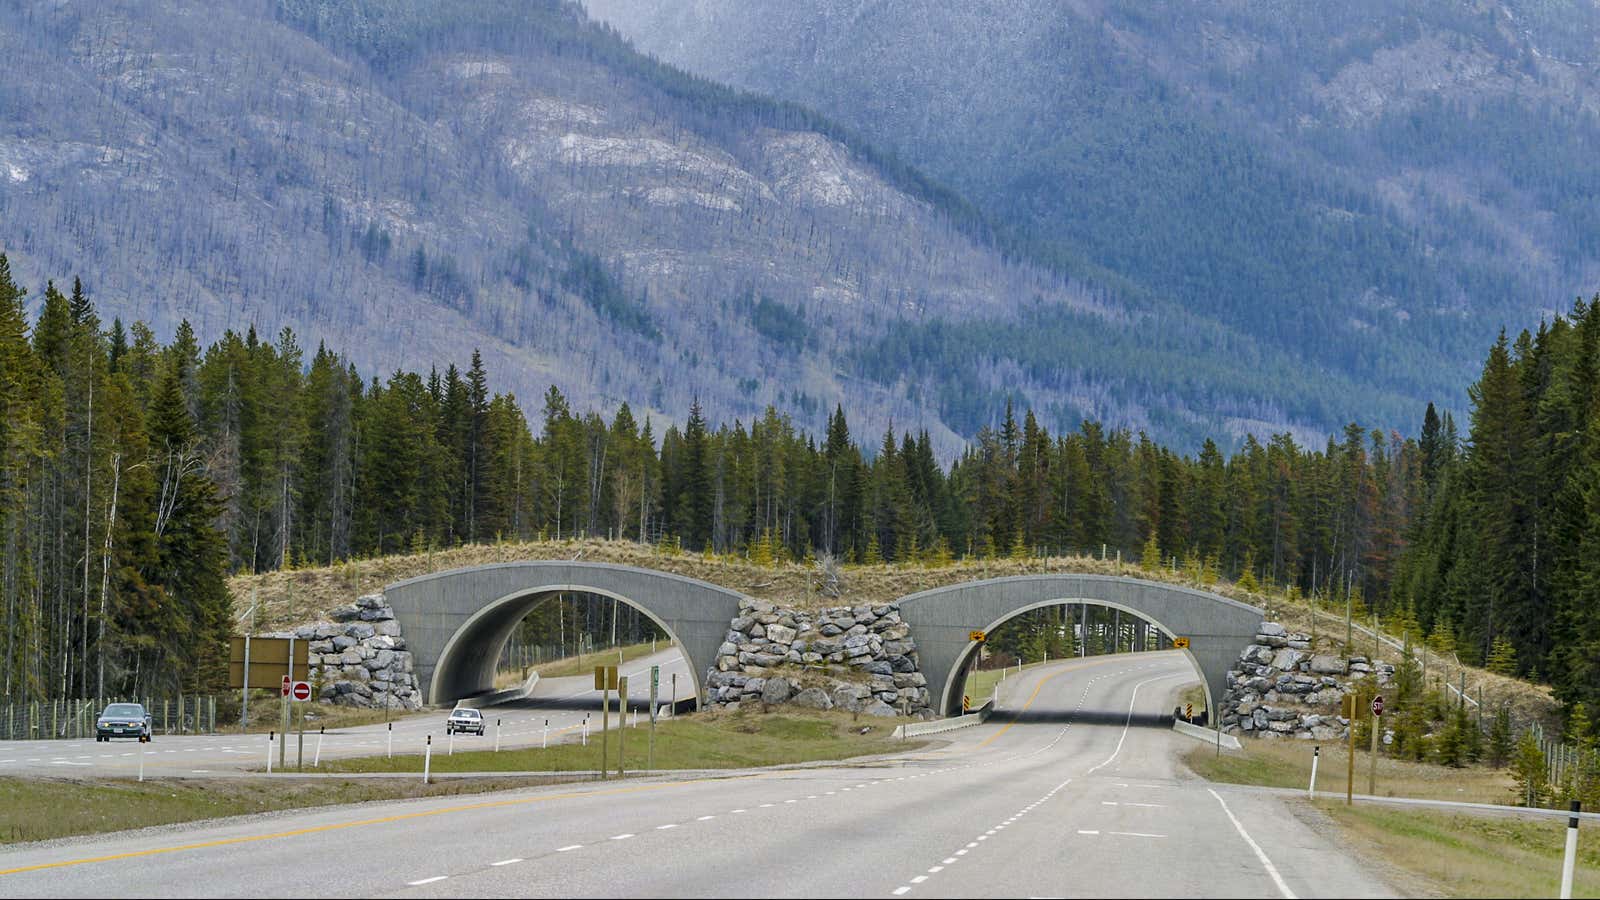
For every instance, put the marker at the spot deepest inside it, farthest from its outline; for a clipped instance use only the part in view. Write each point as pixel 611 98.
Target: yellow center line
pixel 339 826
pixel 1032 697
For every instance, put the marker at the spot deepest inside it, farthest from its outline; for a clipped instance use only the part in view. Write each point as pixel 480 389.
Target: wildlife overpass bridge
pixel 456 622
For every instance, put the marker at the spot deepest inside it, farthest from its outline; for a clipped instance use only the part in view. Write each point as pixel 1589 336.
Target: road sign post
pixel 655 686
pixel 283 709
pixel 1350 752
pixel 966 702
pixel 1372 772
pixel 605 681
pixel 622 712
pixel 1569 860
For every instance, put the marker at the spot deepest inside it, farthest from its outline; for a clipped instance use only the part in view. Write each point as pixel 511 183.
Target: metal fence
pixel 44 719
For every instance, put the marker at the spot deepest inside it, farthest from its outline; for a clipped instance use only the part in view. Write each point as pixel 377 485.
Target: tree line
pixel 134 475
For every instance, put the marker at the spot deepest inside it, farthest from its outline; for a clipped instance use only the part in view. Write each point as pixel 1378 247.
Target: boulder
pixel 812 698
pixel 776 690
pixel 346 613
pixel 880 709
pixel 1287 659
pixel 778 634
pixel 1324 664
pixel 360 630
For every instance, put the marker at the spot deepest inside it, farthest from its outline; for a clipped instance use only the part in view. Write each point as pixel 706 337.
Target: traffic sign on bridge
pixel 1181 643
pixel 976 636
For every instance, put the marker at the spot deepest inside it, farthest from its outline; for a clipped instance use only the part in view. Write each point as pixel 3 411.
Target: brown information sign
pixel 269 662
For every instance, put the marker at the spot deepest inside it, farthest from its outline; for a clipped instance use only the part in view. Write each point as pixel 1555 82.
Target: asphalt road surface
pixel 562 702
pixel 1072 790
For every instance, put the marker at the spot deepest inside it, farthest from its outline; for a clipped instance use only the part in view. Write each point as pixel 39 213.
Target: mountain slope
pixel 1374 186
pixel 414 180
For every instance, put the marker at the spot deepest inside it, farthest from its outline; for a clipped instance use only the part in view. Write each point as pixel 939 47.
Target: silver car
pixel 464 720
pixel 123 720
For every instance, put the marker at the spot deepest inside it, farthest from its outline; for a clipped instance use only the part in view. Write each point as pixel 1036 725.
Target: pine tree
pixel 1502 657
pixel 1150 557
pixel 1528 768
pixel 1500 739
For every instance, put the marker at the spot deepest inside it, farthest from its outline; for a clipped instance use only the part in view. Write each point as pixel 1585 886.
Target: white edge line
pixel 1272 870
pixel 427 880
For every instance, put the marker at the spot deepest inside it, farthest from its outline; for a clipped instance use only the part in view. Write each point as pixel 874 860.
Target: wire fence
pixel 46 719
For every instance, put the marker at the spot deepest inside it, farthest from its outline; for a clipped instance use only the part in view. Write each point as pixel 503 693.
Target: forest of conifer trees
pixel 135 475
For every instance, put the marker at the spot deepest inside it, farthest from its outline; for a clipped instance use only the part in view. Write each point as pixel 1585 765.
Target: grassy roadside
pixel 43 809
pixel 1288 764
pixel 1453 854
pixel 744 739
pixel 1462 855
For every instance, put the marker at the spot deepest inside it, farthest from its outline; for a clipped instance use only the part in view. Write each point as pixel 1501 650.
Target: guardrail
pixel 976 717
pixel 1209 735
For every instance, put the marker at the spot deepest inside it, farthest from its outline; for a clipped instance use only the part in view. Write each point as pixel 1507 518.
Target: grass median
pixel 44 809
pixel 744 739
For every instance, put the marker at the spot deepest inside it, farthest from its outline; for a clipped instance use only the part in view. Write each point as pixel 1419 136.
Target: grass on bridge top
pixel 737 740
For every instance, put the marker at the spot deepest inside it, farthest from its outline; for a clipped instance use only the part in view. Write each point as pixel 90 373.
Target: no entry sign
pixel 300 690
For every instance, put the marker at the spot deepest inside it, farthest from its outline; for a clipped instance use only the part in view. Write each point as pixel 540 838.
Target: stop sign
pixel 1377 705
pixel 286 685
pixel 301 690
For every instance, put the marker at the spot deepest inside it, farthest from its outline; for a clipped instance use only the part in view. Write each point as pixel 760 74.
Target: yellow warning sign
pixel 1181 643
pixel 977 636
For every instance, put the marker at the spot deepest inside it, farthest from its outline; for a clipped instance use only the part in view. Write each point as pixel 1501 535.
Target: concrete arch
pixel 942 619
pixel 456 622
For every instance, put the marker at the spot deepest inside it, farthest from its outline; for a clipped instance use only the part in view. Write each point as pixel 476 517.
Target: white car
pixel 467 721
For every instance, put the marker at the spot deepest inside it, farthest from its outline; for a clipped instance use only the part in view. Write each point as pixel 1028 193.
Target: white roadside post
pixel 1316 754
pixel 497 735
pixel 391 740
pixel 316 759
pixel 141 760
pixel 427 759
pixel 544 742
pixel 269 751
pixel 452 734
pixel 1571 858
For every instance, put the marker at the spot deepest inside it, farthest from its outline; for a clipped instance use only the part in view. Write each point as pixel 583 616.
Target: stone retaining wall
pixel 859 658
pixel 1282 689
pixel 360 658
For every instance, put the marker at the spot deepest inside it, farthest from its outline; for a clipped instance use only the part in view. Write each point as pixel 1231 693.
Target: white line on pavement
pixel 423 881
pixel 507 862
pixel 1272 870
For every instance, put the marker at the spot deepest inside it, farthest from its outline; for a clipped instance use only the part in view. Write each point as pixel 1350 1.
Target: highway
pixel 563 702
pixel 1069 791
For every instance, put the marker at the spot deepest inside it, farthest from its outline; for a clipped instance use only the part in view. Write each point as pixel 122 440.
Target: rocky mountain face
pixel 408 182
pixel 1372 187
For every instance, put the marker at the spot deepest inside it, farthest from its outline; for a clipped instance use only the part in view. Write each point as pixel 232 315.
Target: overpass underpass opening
pixel 556 633
pixel 1057 631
